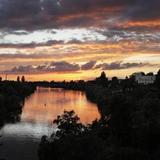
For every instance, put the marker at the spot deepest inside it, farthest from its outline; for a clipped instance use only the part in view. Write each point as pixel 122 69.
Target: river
pixel 20 140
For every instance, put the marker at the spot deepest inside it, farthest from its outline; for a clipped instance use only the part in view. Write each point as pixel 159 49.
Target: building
pixel 141 78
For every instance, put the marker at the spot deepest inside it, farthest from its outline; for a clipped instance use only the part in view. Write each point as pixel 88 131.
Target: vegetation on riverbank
pixel 12 95
pixel 128 130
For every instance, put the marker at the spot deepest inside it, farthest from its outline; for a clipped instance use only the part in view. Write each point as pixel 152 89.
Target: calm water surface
pixel 20 140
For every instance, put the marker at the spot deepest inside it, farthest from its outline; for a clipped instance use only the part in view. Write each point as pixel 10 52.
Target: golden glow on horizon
pixel 123 51
pixel 81 75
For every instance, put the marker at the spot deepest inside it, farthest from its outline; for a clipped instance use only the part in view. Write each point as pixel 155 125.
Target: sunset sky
pixel 77 39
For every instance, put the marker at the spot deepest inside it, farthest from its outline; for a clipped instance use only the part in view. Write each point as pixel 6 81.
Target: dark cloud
pixel 143 10
pixel 22 69
pixel 30 45
pixel 61 66
pixel 18 13
pixel 120 65
pixel 31 14
pixel 88 65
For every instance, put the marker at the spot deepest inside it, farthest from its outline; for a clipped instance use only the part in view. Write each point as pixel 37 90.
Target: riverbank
pixel 128 130
pixel 12 95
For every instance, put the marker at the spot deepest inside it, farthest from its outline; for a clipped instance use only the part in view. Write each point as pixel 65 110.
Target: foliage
pixel 68 124
pixel 128 130
pixel 12 96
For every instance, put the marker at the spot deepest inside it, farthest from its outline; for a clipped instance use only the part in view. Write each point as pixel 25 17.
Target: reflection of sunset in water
pixel 40 109
pixel 46 103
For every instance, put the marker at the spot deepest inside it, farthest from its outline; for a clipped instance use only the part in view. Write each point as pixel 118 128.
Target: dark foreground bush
pixel 129 132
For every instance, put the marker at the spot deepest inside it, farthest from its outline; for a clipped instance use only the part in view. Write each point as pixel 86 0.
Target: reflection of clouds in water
pixel 43 90
pixel 60 101
pixel 30 130
pixel 46 103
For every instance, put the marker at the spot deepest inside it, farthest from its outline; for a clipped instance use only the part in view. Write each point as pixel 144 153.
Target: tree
pixel 68 125
pixel 157 82
pixel 150 74
pixel 73 141
pixel 23 79
pixel 103 75
pixel 18 79
pixel 114 82
pixel 102 80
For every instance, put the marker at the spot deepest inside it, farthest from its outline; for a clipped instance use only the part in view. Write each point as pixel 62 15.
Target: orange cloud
pixel 150 24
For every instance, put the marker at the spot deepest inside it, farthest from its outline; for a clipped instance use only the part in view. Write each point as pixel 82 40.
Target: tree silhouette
pixel 18 79
pixel 72 141
pixel 23 79
pixel 157 82
pixel 102 80
pixel 68 125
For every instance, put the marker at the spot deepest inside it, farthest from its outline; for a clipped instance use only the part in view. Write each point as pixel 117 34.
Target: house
pixel 141 78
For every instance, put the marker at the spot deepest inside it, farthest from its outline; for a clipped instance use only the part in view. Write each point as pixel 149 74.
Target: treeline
pixel 12 95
